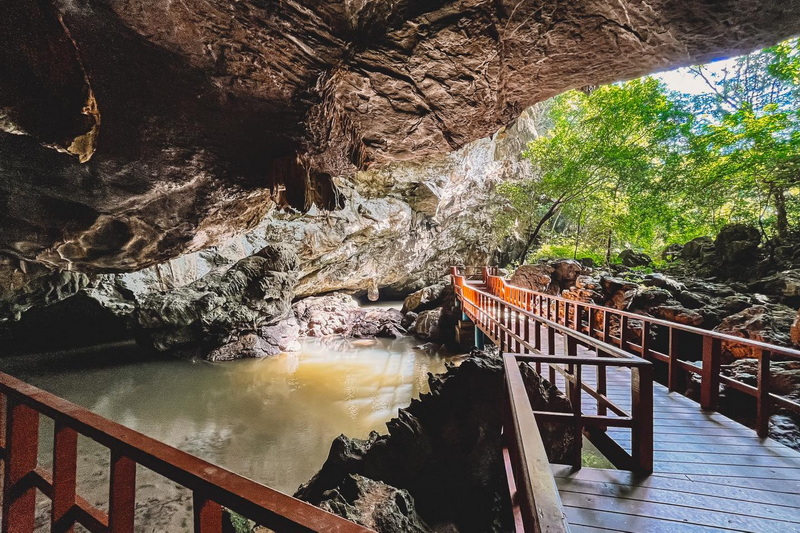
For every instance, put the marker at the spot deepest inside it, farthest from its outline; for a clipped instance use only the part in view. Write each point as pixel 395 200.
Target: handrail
pixel 212 486
pixel 509 326
pixel 537 495
pixel 679 350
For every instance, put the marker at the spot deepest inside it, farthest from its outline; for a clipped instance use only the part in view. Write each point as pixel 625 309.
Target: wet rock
pixel 340 314
pixel 428 324
pixel 765 323
pixel 630 258
pixel 224 309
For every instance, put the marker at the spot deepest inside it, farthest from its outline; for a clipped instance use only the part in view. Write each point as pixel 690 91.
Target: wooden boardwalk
pixel 710 473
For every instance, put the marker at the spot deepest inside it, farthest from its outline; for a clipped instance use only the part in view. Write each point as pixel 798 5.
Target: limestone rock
pixel 785 286
pixel 535 277
pixel 766 323
pixel 210 115
pixel 340 314
pixel 374 504
pixel 697 248
pixel 424 299
pixel 428 324
pixel 225 310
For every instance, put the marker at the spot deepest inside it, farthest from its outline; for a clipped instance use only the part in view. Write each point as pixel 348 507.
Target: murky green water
pixel 271 420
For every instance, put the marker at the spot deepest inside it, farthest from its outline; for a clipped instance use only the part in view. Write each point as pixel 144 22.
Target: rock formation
pixel 444 450
pixel 243 311
pixel 341 314
pixel 133 132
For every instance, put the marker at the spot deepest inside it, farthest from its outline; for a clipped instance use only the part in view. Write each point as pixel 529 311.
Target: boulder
pixel 736 250
pixel 657 279
pixel 633 259
pixel 671 252
pixel 765 323
pixel 676 313
pixel 566 271
pixel 784 286
pixel 428 324
pixel 535 277
pixel 426 298
pixel 617 292
pixel 697 248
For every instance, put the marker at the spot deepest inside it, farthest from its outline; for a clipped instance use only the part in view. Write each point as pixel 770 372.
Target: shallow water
pixel 271 420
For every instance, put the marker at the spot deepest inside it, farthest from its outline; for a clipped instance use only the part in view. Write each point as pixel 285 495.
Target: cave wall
pixel 135 131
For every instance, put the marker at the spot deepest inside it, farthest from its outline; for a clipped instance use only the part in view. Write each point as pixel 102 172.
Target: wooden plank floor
pixel 710 473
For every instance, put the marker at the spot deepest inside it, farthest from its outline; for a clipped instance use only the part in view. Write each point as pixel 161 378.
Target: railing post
pixel 674 377
pixel 763 398
pixel 645 339
pixel 122 494
pixel 606 326
pixel 22 442
pixel 207 515
pixel 642 411
pixel 65 460
pixel 623 332
pixel 709 388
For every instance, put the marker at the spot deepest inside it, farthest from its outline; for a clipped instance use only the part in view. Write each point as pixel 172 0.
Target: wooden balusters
pixel 22 448
pixel 709 389
pixel 121 494
pixel 642 413
pixel 207 515
pixel 65 462
pixel 763 398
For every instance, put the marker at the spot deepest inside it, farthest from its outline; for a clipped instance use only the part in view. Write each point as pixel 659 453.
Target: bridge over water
pixel 680 466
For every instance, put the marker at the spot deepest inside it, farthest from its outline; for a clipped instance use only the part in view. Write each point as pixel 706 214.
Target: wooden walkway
pixel 710 473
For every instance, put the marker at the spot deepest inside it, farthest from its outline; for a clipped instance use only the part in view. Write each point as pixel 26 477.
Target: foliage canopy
pixel 634 165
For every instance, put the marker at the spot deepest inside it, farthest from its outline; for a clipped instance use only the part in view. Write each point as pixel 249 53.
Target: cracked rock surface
pixel 132 132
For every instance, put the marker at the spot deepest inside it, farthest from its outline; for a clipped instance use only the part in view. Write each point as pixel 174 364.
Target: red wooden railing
pixel 517 330
pixel 212 487
pixel 681 345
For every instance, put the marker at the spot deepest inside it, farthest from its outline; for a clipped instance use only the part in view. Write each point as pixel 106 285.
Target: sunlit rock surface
pixel 132 132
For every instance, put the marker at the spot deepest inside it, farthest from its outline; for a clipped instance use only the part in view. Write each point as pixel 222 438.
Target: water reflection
pixel 271 420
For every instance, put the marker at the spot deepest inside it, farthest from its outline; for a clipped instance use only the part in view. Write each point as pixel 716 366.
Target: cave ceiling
pixel 132 131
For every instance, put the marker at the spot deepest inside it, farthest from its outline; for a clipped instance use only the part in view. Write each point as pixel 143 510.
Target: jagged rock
pixel 428 324
pixel 566 271
pixel 671 252
pixel 646 297
pixel 630 258
pixel 783 285
pixel 766 323
pixel 544 396
pixel 691 300
pixel 618 292
pixel 225 308
pixel 340 314
pixel 444 449
pixel 269 340
pixel 426 298
pixel 736 250
pixel 373 504
pixel 408 320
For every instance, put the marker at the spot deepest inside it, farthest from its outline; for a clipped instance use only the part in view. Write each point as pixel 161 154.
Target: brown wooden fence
pixel 681 346
pixel 212 487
